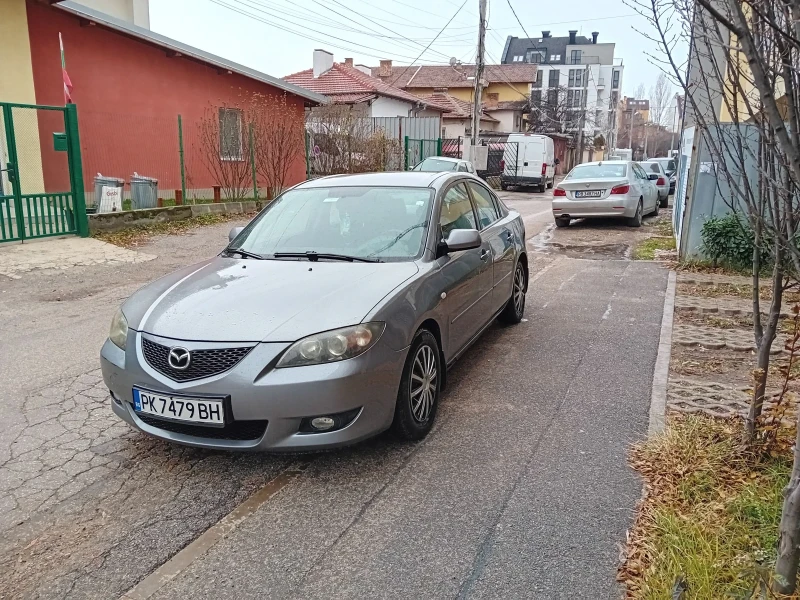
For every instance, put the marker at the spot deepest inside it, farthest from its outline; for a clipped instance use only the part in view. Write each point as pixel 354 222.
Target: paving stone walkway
pixel 712 279
pixel 734 307
pixel 688 395
pixel 740 340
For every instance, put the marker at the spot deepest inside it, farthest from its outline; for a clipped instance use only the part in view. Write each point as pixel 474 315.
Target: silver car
pixel 437 164
pixel 331 317
pixel 616 188
pixel 652 167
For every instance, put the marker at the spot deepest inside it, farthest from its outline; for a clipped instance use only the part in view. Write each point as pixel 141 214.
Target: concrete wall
pixel 389 107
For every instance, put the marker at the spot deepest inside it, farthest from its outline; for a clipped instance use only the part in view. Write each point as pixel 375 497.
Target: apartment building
pixel 577 76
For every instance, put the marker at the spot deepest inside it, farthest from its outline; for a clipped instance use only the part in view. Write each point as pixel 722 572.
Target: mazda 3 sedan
pixel 330 318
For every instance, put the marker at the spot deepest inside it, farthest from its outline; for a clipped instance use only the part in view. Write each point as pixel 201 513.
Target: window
pixel 536 97
pixel 574 98
pixel 555 57
pixel 535 56
pixel 538 81
pixel 456 211
pixel 462 167
pixel 230 134
pixel 487 211
pixel 576 78
pixel 615 80
pixel 575 57
pixel 593 170
pixel 639 171
pixel 552 97
pixel 518 58
pixel 553 81
pixel 654 167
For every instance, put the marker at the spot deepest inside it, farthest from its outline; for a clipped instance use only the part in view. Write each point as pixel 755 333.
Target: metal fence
pixel 453 147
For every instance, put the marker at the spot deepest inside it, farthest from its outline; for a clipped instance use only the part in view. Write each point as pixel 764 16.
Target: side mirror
pixel 463 239
pixel 234 232
pixel 653 177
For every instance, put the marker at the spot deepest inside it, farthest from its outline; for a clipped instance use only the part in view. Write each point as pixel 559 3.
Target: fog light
pixel 322 423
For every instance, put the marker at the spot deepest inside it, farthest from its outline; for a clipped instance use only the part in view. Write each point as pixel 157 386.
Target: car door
pixel 496 230
pixel 645 187
pixel 466 275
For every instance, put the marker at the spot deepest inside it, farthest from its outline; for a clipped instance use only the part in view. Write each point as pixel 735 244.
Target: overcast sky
pixel 279 36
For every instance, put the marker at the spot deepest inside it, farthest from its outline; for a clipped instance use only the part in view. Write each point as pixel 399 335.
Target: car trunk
pixel 603 185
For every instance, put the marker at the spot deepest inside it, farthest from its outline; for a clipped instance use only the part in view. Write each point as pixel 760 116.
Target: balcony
pixel 583 60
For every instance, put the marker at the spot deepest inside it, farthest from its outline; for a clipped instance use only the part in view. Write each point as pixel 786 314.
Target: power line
pixel 429 45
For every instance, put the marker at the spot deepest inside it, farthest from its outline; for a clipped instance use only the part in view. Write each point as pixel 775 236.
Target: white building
pixel 585 69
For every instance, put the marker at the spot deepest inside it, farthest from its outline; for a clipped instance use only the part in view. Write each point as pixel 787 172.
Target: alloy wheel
pixel 423 383
pixel 519 290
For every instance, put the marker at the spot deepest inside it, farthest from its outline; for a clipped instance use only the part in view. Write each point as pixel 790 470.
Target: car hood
pixel 226 299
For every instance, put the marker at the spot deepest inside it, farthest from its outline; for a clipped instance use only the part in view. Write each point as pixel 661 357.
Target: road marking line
pixel 208 539
pixel 658 394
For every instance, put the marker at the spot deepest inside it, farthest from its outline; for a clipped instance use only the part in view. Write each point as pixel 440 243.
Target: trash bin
pixel 100 181
pixel 144 191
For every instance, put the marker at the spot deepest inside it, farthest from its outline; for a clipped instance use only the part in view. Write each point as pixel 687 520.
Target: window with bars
pixel 554 75
pixel 230 133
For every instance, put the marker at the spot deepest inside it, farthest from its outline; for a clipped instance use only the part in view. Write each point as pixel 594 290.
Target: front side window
pixel 456 211
pixel 386 223
pixel 230 133
pixel 487 211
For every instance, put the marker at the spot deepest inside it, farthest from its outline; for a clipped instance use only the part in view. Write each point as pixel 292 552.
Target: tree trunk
pixel 789 540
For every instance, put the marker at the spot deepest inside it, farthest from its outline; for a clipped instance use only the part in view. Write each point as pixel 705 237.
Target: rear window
pixel 652 167
pixel 595 170
pixel 436 165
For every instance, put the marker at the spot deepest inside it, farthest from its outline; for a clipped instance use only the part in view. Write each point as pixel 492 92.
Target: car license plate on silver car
pixel 178 408
pixel 589 194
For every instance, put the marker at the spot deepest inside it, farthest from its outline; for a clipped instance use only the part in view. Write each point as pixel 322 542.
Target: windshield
pixel 435 165
pixel 386 223
pixel 597 170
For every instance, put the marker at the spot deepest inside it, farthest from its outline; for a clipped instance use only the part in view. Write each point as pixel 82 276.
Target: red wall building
pixel 129 92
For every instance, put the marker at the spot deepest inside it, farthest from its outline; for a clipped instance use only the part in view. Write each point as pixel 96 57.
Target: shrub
pixel 729 240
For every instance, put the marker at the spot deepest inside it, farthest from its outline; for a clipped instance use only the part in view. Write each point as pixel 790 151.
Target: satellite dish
pixel 453 61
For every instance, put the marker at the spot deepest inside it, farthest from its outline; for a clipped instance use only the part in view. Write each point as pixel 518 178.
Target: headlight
pixel 332 346
pixel 119 329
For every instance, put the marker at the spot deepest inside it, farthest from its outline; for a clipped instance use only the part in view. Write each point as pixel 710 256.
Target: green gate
pixel 417 150
pixel 41 176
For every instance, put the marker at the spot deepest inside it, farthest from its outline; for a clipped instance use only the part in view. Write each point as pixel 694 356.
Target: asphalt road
pixel 521 491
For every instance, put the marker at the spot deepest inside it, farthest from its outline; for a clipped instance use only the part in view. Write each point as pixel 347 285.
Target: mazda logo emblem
pixel 179 358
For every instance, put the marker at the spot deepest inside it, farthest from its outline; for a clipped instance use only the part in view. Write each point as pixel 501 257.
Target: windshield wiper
pixel 315 256
pixel 243 253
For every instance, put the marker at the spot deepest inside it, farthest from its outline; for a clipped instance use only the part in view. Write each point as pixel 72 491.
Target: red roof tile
pixel 350 85
pixel 438 76
pixel 459 109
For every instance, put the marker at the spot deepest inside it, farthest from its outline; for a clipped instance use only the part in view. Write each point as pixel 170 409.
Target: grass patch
pixel 132 237
pixel 646 249
pixel 709 516
pixel 663 227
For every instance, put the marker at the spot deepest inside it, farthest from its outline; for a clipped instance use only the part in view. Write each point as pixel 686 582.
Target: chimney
pixel 323 62
pixel 385 70
pixel 594 36
pixel 545 34
pixel 572 34
pixel 492 100
pixel 348 62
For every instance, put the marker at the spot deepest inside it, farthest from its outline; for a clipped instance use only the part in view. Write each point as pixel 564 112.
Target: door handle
pixel 509 236
pixel 484 254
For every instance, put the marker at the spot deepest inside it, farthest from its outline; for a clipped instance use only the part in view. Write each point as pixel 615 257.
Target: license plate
pixel 589 194
pixel 179 408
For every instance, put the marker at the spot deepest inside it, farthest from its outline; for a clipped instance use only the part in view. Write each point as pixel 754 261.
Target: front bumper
pixel 258 392
pixel 616 206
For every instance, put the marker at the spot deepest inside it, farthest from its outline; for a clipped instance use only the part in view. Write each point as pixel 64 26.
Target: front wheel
pixel 515 307
pixel 420 386
pixel 664 202
pixel 636 220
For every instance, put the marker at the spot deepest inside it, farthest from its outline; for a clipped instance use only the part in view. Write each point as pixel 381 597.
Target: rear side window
pixel 487 210
pixel 456 211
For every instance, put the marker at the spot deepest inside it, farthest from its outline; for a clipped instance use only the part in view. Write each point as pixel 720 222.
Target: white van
pixel 535 162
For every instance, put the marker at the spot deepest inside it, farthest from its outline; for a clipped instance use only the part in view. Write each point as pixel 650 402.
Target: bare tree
pixel 224 147
pixel 278 143
pixel 660 95
pixel 745 58
pixel 641 92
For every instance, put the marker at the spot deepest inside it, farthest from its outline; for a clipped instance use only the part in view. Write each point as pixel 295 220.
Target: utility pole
pixel 476 108
pixel 630 135
pixel 582 125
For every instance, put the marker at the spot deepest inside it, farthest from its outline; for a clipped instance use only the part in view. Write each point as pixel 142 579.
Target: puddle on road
pixel 543 243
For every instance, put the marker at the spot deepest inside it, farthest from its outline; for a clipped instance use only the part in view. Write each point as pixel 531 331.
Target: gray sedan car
pixel 331 317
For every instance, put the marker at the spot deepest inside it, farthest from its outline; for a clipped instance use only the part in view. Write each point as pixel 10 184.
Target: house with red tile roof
pixel 346 83
pixel 457 121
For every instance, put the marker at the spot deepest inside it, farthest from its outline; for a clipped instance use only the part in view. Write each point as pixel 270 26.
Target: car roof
pixel 389 178
pixel 445 158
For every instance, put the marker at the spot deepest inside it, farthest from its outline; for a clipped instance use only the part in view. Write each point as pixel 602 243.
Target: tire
pixel 542 188
pixel 422 378
pixel 562 221
pixel 636 220
pixel 503 187
pixel 550 185
pixel 515 307
pixel 664 202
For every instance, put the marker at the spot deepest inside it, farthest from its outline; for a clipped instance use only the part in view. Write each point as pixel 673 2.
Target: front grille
pixel 236 430
pixel 204 363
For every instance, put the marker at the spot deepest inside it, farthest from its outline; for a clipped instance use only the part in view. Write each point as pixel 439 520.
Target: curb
pixel 658 394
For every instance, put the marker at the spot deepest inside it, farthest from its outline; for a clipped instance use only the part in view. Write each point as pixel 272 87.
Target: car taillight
pixel 660 181
pixel 502 165
pixel 559 192
pixel 621 189
pixel 544 168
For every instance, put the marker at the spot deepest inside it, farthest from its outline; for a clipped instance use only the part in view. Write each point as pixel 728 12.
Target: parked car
pixel 535 162
pixel 331 317
pixel 662 182
pixel 605 189
pixel 438 164
pixel 670 166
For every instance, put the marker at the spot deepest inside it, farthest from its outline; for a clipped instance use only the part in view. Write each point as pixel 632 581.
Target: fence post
pixel 406 152
pixel 253 165
pixel 308 160
pixel 421 150
pixel 438 146
pixel 183 167
pixel 76 169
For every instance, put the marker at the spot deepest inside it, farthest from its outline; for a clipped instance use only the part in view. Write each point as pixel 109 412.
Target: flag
pixel 64 75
